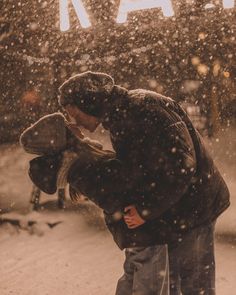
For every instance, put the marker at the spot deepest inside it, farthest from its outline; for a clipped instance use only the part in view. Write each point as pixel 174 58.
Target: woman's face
pixel 87 121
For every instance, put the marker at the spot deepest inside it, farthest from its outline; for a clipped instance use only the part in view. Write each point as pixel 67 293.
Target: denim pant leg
pixel 146 272
pixel 125 283
pixel 192 263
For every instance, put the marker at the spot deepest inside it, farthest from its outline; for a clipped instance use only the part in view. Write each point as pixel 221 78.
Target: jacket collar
pixel 118 98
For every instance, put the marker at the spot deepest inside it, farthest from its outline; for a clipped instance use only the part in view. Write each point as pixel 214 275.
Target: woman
pixel 96 173
pixel 65 158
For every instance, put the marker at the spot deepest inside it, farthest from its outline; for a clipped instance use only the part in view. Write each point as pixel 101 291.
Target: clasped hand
pixel 132 217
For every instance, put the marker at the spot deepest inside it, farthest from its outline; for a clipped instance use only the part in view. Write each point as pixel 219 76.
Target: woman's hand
pixel 132 217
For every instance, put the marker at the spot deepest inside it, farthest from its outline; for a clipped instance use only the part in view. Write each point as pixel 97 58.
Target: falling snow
pixel 182 49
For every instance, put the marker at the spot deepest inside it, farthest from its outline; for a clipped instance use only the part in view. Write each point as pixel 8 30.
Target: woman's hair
pixel 88 154
pixel 74 194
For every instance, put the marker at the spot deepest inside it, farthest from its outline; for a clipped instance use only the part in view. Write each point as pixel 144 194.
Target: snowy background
pixel 77 255
pixel 184 49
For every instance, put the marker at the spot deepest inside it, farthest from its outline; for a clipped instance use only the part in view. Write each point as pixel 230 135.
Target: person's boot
pixel 35 197
pixel 61 198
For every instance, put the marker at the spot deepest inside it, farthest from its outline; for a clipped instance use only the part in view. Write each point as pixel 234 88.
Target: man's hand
pixel 132 217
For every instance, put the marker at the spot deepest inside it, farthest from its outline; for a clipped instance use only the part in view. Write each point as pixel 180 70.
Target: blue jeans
pixel 192 263
pixel 146 272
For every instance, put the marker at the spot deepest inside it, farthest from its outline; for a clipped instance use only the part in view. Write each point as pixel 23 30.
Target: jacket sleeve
pixel 101 181
pixel 171 163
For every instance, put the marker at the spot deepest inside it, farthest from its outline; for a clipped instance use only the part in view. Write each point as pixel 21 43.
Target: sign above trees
pixel 125 7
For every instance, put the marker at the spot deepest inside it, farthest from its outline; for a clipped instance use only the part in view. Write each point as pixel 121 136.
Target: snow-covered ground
pixel 72 258
pixel 69 251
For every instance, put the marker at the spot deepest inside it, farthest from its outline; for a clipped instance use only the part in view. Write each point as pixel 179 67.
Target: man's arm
pixel 174 165
pixel 102 181
pixel 170 161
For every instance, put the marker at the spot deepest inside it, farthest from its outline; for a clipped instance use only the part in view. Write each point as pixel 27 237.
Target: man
pixel 179 193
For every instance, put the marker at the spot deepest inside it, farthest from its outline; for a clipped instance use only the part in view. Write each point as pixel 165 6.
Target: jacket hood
pixel 47 135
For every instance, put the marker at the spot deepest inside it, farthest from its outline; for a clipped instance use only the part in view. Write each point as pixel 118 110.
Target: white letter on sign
pixel 130 5
pixel 80 12
pixel 228 3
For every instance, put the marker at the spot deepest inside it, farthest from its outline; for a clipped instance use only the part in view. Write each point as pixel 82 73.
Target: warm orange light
pixel 226 74
pixel 202 69
pixel 30 97
pixel 201 35
pixel 195 60
pixel 216 69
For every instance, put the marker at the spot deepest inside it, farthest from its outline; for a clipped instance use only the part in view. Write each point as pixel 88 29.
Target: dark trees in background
pixel 190 57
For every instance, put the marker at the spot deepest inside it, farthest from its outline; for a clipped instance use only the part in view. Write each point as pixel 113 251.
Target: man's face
pixel 87 121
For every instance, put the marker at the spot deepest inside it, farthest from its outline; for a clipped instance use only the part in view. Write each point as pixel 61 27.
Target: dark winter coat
pixel 162 167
